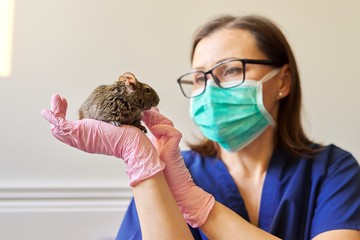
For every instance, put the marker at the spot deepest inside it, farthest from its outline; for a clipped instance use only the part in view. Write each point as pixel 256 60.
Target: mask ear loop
pixel 259 96
pixel 270 75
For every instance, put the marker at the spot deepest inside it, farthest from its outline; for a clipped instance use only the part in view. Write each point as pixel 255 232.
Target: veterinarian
pixel 256 175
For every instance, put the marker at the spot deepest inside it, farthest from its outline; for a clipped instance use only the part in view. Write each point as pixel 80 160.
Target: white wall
pixel 70 47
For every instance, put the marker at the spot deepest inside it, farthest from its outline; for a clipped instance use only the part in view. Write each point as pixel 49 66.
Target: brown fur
pixel 121 102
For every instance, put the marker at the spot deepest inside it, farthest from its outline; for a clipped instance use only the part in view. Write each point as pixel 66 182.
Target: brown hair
pixel 270 40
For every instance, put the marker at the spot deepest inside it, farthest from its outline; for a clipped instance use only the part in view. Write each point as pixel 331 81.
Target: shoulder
pixel 334 167
pixel 335 159
pixel 331 162
pixel 337 192
pixel 333 153
pixel 340 166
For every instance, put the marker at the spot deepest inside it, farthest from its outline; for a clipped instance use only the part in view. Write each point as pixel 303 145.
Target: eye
pixel 232 71
pixel 199 78
pixel 229 71
pixel 147 90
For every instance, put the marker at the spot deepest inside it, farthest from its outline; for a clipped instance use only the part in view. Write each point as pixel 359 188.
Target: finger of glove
pixel 88 135
pixel 59 127
pixel 59 105
pixel 167 142
pixel 50 117
pixel 153 117
pixel 169 132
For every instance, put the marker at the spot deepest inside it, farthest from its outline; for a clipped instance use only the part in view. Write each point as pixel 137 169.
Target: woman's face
pixel 236 43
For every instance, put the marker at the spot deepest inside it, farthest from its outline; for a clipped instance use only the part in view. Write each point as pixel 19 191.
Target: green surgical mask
pixel 232 117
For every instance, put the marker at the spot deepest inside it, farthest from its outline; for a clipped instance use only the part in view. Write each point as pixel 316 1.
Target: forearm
pixel 222 223
pixel 160 217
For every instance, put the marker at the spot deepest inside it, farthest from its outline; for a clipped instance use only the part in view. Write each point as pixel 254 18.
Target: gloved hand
pixel 92 136
pixel 194 202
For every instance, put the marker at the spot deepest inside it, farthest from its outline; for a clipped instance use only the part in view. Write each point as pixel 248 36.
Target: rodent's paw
pixel 118 124
pixel 142 128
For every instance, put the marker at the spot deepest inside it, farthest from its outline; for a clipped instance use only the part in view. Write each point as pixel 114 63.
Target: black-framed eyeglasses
pixel 227 74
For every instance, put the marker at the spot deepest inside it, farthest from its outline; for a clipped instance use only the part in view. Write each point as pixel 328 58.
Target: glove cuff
pixel 140 172
pixel 196 206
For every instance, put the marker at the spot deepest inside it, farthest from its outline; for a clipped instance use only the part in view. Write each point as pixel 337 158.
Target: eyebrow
pixel 221 60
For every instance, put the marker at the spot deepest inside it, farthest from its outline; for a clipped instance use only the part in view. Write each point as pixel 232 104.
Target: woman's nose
pixel 209 76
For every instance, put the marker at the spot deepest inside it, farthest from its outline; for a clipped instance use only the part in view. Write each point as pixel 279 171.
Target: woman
pixel 268 179
pixel 270 173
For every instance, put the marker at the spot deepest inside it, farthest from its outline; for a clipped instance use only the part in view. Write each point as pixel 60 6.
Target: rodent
pixel 121 102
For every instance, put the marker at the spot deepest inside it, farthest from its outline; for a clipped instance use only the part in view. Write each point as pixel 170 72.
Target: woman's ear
pixel 285 81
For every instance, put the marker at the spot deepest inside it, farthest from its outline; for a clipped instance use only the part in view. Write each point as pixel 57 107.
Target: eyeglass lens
pixel 228 74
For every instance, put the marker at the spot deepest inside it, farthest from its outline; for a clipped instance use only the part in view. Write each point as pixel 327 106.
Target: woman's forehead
pixel 225 44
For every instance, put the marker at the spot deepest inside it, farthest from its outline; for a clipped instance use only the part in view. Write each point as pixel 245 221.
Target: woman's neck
pixel 253 159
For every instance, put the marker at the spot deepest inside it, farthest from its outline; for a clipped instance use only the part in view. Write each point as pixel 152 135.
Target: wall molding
pixel 64 199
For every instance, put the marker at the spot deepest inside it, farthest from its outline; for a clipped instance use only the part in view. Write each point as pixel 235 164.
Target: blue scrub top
pixel 300 199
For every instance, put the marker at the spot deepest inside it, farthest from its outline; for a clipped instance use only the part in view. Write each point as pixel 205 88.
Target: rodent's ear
pixel 129 79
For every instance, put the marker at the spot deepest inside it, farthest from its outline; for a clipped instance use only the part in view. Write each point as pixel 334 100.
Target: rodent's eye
pixel 147 90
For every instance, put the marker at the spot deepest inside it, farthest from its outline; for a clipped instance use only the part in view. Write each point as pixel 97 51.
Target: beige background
pixel 70 47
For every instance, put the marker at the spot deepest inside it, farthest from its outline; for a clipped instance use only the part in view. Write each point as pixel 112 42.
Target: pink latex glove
pixel 194 202
pixel 126 142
